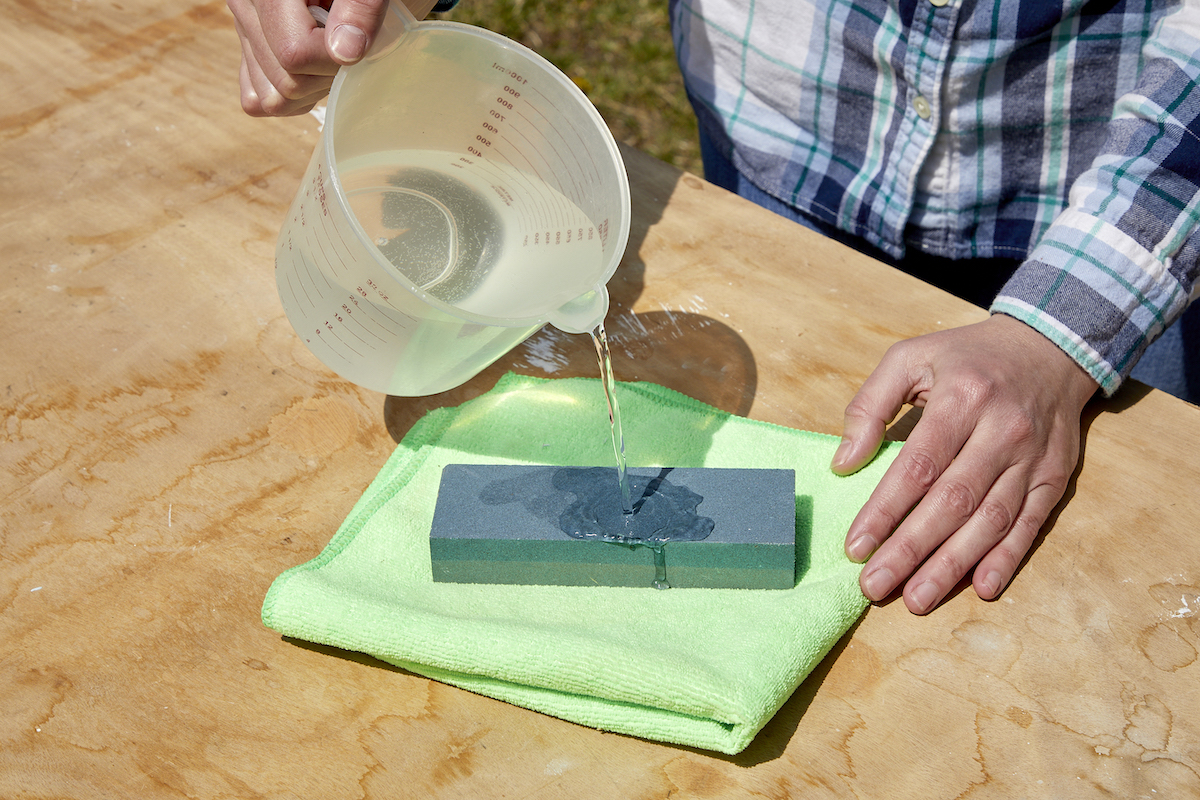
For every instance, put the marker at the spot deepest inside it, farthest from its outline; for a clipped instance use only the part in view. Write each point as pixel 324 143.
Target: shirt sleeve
pixel 1120 264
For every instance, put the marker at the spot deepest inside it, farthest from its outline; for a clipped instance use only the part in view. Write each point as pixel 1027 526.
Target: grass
pixel 619 52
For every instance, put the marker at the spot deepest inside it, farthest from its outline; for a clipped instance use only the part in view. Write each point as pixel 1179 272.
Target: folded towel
pixel 700 667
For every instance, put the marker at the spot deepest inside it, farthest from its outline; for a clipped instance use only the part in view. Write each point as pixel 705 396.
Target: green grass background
pixel 618 52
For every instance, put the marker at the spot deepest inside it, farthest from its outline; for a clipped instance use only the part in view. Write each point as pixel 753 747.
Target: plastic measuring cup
pixel 464 193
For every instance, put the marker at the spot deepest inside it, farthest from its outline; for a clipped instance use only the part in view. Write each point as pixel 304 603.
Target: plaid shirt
pixel 1064 134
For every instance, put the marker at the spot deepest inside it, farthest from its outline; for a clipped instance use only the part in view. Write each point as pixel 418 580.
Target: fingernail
pixel 925 596
pixel 861 548
pixel 348 42
pixel 991 585
pixel 842 453
pixel 877 585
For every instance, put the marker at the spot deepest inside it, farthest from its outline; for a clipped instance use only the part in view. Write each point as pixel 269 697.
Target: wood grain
pixel 169 448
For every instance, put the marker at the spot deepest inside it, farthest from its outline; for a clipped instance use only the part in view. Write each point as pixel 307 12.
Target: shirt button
pixel 938 3
pixel 921 106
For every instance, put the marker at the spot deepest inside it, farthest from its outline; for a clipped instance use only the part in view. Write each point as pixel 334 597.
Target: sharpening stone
pixel 507 524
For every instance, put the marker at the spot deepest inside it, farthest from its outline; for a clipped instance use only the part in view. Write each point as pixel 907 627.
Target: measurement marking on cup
pixel 387 331
pixel 320 231
pixel 540 154
pixel 544 221
pixel 539 208
pixel 335 260
pixel 582 148
pixel 329 327
pixel 315 236
pixel 345 315
pixel 399 311
pixel 531 203
pixel 382 295
pixel 512 73
pixel 551 125
pixel 552 122
pixel 521 153
pixel 293 288
pixel 329 347
pixel 557 216
pixel 367 314
pixel 310 267
pixel 370 312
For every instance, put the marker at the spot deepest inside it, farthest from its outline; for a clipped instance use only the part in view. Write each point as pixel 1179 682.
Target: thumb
pixel 352 27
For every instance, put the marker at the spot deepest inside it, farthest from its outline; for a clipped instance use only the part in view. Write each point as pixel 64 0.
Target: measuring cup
pixel 464 193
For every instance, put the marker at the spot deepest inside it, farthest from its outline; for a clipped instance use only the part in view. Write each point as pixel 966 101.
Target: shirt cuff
pixel 1096 293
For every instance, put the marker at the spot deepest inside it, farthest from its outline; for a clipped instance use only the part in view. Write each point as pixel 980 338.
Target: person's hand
pixel 991 456
pixel 289 61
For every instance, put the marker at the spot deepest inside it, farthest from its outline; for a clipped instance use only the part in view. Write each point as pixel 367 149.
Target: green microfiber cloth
pixel 700 667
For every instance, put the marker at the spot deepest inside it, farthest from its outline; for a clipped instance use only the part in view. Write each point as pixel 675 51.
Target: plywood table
pixel 169 447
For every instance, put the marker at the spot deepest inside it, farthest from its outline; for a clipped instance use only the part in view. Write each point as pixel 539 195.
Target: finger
pixel 877 402
pixel 267 88
pixel 260 97
pixel 352 27
pixel 257 93
pixel 948 503
pixel 251 102
pixel 1000 564
pixel 282 37
pixel 989 524
pixel 933 444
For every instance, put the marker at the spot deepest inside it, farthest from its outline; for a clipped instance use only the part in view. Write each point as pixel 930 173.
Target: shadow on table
pixel 768 745
pixel 347 655
pixel 773 739
pixel 690 353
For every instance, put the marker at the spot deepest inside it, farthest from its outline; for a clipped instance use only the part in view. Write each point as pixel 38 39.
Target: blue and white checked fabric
pixel 1066 134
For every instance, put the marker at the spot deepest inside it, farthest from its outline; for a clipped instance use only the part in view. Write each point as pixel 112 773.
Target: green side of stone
pixel 578 562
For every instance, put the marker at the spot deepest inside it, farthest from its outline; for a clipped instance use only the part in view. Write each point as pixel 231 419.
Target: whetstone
pixel 504 524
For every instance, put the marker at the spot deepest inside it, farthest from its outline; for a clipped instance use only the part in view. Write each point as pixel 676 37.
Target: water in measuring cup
pixel 481 236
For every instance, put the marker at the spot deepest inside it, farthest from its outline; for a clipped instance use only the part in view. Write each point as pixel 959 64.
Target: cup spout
pixel 583 314
pixel 397 21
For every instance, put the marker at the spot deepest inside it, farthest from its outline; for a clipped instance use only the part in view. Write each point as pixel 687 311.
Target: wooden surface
pixel 169 448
